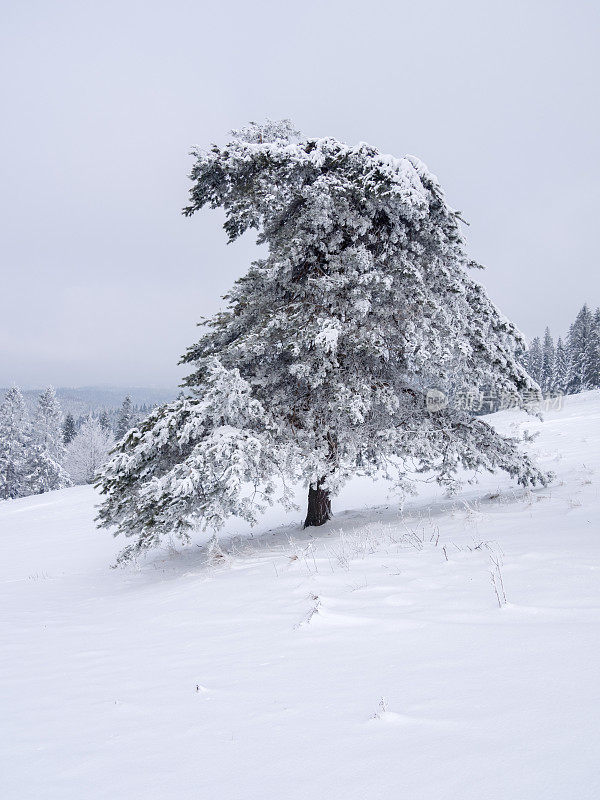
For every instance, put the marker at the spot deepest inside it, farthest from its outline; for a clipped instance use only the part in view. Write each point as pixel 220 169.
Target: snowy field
pixel 452 651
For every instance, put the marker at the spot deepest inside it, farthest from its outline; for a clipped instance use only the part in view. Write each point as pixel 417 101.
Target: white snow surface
pixel 367 659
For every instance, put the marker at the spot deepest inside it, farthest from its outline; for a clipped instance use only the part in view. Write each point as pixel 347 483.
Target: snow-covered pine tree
pixel 47 450
pixel 47 424
pixel 104 420
pixel 593 356
pixel 579 349
pixel 319 369
pixel 561 368
pixel 15 440
pixel 126 418
pixel 45 474
pixel 69 430
pixel 535 361
pixel 88 451
pixel 548 357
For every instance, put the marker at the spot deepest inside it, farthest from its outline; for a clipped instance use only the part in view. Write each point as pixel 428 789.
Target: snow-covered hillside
pixel 451 651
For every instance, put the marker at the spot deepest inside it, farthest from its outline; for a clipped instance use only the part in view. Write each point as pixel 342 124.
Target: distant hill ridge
pixel 82 400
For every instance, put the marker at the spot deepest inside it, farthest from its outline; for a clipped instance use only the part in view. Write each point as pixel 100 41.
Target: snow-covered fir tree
pixel 535 361
pixel 561 369
pixel 88 451
pixel 579 345
pixel 69 429
pixel 15 441
pixel 104 420
pixel 593 357
pixel 126 418
pixel 319 369
pixel 46 449
pixel 45 474
pixel 548 357
pixel 47 424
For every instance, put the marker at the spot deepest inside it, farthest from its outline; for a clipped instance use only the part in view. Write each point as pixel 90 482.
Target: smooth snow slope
pixel 370 662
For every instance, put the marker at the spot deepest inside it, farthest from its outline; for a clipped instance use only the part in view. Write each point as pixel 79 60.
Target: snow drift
pixel 447 652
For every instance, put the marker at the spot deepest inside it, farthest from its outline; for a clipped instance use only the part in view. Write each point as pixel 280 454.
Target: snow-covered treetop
pixel 360 237
pixel 280 130
pixel 238 177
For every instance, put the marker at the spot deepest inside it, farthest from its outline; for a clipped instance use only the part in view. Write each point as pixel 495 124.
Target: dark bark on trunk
pixel 319 505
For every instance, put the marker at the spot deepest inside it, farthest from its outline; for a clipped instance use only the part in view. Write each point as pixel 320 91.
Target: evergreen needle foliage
pixel 319 367
pixel 31 454
pixel 572 366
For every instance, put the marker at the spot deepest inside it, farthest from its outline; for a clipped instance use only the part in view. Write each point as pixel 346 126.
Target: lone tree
pixel 319 368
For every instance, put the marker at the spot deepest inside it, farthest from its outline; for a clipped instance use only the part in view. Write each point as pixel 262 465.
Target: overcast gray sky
pixel 103 280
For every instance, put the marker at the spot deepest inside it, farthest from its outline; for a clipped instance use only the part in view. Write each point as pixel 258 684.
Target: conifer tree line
pixel 47 450
pixel 569 366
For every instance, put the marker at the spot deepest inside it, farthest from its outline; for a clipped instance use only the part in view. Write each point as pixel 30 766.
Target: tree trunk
pixel 319 505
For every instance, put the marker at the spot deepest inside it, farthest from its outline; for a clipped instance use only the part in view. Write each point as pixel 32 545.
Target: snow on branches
pixel 195 462
pixel 30 453
pixel 319 366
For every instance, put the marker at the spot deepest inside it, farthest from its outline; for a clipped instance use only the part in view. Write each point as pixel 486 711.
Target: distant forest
pixel 569 366
pixel 93 399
